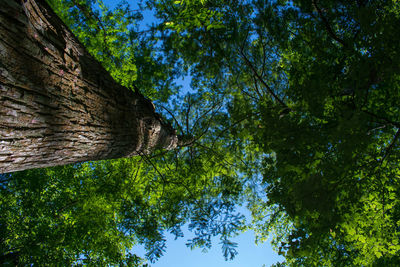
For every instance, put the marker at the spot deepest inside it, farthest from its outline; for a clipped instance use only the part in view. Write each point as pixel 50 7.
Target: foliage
pixel 113 37
pixel 294 109
pixel 93 213
pixel 313 85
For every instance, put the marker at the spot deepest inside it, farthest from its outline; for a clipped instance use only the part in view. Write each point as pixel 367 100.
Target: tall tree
pixel 299 98
pixel 58 104
pixel 94 213
pixel 314 85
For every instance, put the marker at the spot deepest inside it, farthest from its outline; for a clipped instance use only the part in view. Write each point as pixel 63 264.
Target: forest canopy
pixel 293 112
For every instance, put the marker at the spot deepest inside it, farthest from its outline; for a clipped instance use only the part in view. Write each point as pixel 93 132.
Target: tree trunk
pixel 57 103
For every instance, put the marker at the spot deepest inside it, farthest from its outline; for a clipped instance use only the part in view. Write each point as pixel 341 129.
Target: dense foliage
pixel 294 106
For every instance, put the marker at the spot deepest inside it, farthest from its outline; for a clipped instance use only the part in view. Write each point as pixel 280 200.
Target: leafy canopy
pixel 294 107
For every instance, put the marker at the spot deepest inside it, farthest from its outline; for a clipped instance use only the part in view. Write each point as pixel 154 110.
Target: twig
pixel 256 87
pixel 205 113
pixel 137 171
pixel 152 164
pixel 99 25
pixel 187 114
pixel 229 127
pixel 159 154
pixel 250 65
pixel 390 147
pixel 327 25
pixel 218 154
pixel 164 180
pixel 173 117
pixel 394 123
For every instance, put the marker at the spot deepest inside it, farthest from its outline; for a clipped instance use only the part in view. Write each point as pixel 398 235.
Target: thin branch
pixel 250 95
pixel 390 147
pixel 218 154
pixel 263 44
pixel 327 25
pixel 73 203
pixel 256 87
pixel 164 180
pixel 171 181
pixel 173 117
pixel 230 127
pixel 376 128
pixel 192 140
pixel 99 25
pixel 187 114
pixel 159 154
pixel 270 91
pixel 152 164
pixel 205 113
pixel 386 120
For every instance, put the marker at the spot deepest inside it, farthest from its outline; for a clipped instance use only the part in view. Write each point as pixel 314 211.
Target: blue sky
pixel 178 254
pixel 250 255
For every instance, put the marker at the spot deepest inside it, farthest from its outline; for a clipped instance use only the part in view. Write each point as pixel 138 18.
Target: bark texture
pixel 57 103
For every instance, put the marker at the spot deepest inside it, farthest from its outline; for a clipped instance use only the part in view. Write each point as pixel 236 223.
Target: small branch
pixel 73 203
pixel 159 154
pixel 205 113
pixel 327 25
pixel 218 154
pixel 270 91
pixel 172 182
pixel 137 171
pixel 390 147
pixel 187 114
pixel 250 96
pixel 99 25
pixel 186 140
pixel 376 128
pixel 387 121
pixel 154 166
pixel 230 127
pixel 256 87
pixel 263 44
pixel 173 117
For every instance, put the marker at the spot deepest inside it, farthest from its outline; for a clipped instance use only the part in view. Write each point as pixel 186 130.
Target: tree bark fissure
pixel 57 103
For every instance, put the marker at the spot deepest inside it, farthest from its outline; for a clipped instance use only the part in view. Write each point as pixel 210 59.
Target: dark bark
pixel 57 103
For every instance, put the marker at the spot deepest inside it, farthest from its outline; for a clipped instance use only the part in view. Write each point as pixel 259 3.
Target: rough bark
pixel 57 103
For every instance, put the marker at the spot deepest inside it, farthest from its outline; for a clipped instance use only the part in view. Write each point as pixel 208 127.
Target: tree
pixel 314 86
pixel 93 213
pixel 58 104
pixel 294 109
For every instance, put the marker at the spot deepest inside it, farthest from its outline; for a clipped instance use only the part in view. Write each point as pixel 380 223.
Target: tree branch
pixel 205 113
pixel 270 91
pixel 99 24
pixel 173 117
pixel 328 27
pixel 387 121
pixel 390 147
pixel 188 113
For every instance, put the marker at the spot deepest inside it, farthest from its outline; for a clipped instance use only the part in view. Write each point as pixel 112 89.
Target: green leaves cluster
pixel 113 37
pixel 294 109
pixel 94 213
pixel 312 87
